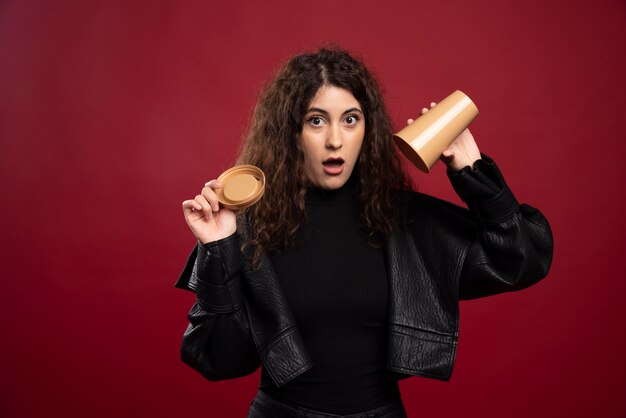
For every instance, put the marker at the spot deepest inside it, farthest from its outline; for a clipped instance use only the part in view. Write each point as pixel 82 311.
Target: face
pixel 332 136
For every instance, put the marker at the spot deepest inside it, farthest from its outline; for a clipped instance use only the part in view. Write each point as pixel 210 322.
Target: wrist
pixel 205 239
pixel 456 166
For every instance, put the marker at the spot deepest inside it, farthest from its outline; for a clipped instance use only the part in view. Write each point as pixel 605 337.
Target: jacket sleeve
pixel 513 246
pixel 218 342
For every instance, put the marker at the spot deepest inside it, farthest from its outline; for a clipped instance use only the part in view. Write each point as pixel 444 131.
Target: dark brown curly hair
pixel 272 144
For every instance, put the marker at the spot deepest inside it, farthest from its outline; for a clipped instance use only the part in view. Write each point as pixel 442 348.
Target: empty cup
pixel 424 140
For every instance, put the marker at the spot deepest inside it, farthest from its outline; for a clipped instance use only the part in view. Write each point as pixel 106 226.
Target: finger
pixel 206 207
pixel 409 121
pixel 191 205
pixel 448 153
pixel 424 110
pixel 214 184
pixel 211 197
pixel 433 104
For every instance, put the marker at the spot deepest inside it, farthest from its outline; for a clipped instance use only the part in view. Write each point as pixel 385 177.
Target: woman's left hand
pixel 462 152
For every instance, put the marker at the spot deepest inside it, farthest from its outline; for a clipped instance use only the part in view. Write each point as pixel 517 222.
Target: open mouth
pixel 333 166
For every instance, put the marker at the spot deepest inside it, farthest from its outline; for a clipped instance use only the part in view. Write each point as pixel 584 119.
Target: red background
pixel 113 112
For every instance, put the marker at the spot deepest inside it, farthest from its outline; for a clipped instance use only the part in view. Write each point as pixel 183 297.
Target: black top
pixel 336 286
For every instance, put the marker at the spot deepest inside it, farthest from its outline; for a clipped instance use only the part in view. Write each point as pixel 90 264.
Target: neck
pixel 345 193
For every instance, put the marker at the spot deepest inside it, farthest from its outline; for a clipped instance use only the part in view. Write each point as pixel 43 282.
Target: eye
pixel 351 120
pixel 316 121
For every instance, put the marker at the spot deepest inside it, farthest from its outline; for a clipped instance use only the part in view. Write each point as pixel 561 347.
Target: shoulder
pixel 437 217
pixel 418 203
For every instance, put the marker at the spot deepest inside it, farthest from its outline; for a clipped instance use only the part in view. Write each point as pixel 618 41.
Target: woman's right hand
pixel 206 219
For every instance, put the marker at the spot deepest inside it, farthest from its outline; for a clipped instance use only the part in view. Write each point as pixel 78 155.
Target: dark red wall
pixel 113 112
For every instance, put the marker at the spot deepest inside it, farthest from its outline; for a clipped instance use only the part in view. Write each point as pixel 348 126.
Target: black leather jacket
pixel 445 253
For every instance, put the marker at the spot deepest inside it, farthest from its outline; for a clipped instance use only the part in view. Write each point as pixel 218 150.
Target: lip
pixel 334 169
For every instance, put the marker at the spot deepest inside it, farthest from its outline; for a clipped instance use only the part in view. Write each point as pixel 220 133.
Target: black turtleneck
pixel 336 286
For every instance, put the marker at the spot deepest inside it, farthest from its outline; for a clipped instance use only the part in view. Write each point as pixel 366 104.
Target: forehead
pixel 332 98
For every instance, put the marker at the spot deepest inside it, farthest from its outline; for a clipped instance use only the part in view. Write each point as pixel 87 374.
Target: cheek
pixel 308 160
pixel 304 144
pixel 310 147
pixel 309 155
pixel 358 146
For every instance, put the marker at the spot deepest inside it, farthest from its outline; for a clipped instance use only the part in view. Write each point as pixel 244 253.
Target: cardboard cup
pixel 424 140
pixel 242 186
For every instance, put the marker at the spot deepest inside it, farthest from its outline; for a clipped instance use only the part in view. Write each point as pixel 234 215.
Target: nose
pixel 334 140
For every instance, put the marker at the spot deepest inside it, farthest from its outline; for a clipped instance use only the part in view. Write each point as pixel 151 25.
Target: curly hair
pixel 272 144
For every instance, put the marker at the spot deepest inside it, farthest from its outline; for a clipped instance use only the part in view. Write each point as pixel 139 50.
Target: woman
pixel 341 281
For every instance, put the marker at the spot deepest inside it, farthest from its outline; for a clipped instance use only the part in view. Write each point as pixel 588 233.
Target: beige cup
pixel 423 141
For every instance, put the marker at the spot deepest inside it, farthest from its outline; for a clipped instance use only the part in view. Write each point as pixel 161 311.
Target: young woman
pixel 341 281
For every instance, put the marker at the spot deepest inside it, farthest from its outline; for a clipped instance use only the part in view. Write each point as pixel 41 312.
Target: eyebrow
pixel 325 113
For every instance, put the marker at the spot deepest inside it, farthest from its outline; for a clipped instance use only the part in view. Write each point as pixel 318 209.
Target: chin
pixel 333 183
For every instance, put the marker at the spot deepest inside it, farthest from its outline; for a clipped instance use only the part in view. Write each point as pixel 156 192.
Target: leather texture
pixel 444 253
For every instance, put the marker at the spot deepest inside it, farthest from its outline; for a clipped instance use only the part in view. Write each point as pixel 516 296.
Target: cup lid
pixel 242 186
